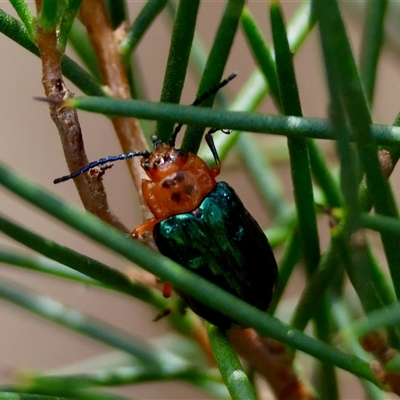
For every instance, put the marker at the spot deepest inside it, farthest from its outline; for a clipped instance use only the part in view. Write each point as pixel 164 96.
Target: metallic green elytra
pixel 221 242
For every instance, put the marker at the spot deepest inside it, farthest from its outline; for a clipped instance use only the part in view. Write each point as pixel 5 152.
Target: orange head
pixel 178 182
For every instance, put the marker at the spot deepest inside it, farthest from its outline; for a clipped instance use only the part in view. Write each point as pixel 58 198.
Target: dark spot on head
pixel 179 176
pixel 168 183
pixel 146 165
pixel 188 189
pixel 176 196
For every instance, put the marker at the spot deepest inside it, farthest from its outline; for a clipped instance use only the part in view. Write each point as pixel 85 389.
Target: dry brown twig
pixel 91 191
pixel 377 344
pixel 272 361
pixel 105 43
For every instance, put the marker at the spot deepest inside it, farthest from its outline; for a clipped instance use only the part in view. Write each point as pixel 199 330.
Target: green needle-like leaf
pixel 72 319
pixel 229 365
pixel 351 94
pixel 81 263
pixel 296 127
pixel 67 20
pixel 256 88
pixel 261 53
pixel 10 27
pixel 342 318
pixel 79 41
pixel 287 264
pixel 143 21
pixel 381 223
pixel 215 67
pixel 263 175
pixel 378 319
pixel 371 45
pixel 27 17
pixel 178 59
pixel 298 150
pixel 48 17
pixel 117 10
pixel 44 265
pixel 322 174
pixel 27 396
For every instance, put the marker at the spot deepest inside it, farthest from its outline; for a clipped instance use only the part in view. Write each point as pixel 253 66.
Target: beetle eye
pixel 146 165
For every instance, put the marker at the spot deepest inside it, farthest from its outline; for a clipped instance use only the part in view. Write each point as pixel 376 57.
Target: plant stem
pixel 66 22
pixel 371 45
pixel 298 150
pixel 229 365
pixel 27 17
pixel 295 127
pixel 178 58
pixel 70 318
pixel 17 32
pixel 94 17
pixel 143 21
pixel 215 66
pixel 81 263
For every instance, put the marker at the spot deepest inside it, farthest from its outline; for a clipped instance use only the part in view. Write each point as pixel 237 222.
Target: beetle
pixel 202 224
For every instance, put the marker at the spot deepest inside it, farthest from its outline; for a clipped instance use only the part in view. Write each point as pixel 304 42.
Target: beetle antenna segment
pixel 102 161
pixel 214 90
pixel 199 100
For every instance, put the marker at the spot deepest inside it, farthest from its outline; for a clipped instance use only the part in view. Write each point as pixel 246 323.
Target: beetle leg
pixel 143 227
pixel 167 290
pixel 162 314
pixel 211 145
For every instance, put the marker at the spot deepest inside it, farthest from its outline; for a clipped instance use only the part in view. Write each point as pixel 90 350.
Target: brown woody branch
pixel 377 344
pixel 271 360
pixel 105 43
pixel 91 191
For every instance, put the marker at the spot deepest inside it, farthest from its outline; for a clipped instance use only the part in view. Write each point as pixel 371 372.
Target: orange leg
pixel 144 226
pixel 167 290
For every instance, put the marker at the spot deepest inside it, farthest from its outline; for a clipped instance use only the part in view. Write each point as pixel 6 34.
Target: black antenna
pixel 155 140
pixel 102 161
pixel 199 100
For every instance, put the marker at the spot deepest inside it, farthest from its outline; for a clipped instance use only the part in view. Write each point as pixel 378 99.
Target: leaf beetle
pixel 201 223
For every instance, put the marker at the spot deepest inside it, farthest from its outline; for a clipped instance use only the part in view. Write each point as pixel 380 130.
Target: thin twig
pixel 271 360
pixel 104 40
pixel 91 191
pixel 377 344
